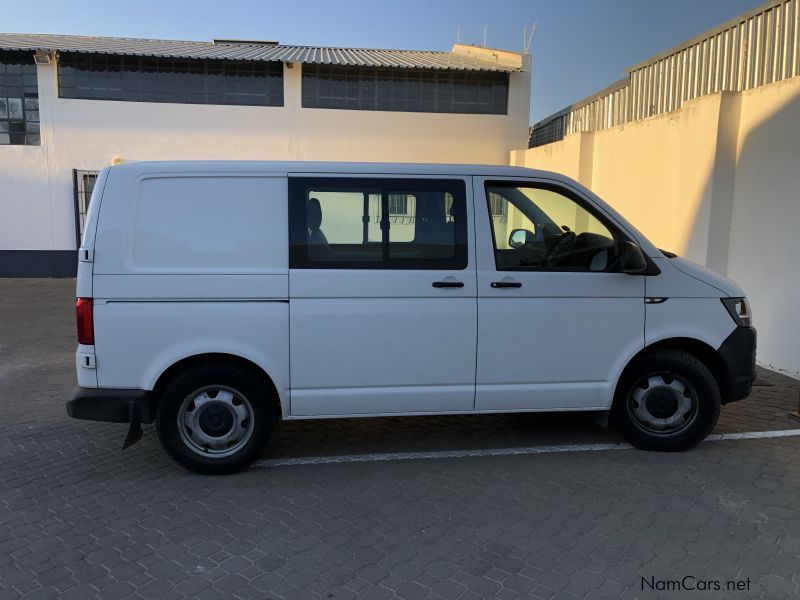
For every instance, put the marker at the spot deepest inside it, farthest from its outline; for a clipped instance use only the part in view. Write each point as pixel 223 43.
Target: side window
pixel 344 223
pixel 542 228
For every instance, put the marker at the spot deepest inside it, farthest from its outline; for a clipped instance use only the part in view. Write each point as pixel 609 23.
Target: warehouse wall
pixel 36 197
pixel 717 182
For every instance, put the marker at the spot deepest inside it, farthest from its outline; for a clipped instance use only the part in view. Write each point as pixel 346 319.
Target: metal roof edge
pixel 252 51
pixel 707 34
pixel 103 37
pixel 234 42
pixel 617 85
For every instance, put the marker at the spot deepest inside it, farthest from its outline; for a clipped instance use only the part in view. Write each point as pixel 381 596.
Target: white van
pixel 217 298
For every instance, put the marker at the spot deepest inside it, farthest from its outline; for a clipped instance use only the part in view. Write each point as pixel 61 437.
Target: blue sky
pixel 580 45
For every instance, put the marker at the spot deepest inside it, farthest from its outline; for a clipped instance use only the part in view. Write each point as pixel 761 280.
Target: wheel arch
pixel 701 350
pixel 188 361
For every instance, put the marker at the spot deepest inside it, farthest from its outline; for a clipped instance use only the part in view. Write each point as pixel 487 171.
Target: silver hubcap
pixel 215 421
pixel 663 404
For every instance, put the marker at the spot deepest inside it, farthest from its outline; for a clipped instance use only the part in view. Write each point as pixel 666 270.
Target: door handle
pixel 448 284
pixel 506 284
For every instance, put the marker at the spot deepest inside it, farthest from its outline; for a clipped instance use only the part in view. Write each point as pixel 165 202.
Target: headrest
pixel 313 213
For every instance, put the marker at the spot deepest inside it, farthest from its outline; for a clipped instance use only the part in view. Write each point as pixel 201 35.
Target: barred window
pixel 19 99
pixel 83 186
pixel 497 205
pixel 182 81
pixel 398 204
pixel 408 90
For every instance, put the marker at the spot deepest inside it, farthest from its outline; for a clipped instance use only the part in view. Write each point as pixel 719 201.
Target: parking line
pixel 438 454
pixel 752 435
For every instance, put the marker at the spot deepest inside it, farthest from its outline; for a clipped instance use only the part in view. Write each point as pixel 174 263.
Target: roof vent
pixel 245 42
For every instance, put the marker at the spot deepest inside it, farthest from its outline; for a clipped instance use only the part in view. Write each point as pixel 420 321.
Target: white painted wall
pixel 718 182
pixel 25 199
pixel 36 198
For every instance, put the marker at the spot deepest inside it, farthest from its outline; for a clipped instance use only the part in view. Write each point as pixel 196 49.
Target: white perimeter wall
pixel 717 182
pixel 36 197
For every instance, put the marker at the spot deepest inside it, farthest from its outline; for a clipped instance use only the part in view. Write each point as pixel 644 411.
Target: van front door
pixel 383 306
pixel 557 320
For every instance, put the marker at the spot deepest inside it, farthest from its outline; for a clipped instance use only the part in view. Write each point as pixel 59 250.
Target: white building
pixel 70 105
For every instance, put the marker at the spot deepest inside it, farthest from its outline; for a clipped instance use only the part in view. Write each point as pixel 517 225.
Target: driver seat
pixel 318 247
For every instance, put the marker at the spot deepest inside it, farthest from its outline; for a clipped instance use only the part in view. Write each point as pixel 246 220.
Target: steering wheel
pixel 559 246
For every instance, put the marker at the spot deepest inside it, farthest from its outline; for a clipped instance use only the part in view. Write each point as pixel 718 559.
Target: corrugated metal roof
pixel 413 59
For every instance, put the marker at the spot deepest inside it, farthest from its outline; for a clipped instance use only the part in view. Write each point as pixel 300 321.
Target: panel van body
pixel 216 298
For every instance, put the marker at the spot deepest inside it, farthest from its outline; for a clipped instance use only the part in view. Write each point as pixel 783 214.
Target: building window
pixel 498 206
pixel 182 81
pixel 82 188
pixel 407 90
pixel 398 204
pixel 19 99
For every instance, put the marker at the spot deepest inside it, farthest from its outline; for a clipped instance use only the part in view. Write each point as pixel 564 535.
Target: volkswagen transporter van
pixel 216 299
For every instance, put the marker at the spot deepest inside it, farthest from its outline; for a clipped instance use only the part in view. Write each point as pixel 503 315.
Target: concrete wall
pixel 764 250
pixel 716 182
pixel 36 197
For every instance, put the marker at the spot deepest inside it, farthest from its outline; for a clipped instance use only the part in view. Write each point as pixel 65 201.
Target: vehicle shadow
pixel 333 437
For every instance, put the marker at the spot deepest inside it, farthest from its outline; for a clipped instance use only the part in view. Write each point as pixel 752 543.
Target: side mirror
pixel 632 260
pixel 520 237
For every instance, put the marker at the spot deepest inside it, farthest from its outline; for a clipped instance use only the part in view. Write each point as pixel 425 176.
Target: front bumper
pixel 739 353
pixel 110 405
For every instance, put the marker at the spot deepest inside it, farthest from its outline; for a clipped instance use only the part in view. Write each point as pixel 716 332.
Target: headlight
pixel 739 310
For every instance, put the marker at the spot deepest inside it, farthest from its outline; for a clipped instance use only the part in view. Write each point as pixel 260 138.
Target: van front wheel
pixel 666 400
pixel 215 417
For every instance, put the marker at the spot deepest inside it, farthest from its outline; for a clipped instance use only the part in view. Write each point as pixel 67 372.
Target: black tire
pixel 667 365
pixel 247 384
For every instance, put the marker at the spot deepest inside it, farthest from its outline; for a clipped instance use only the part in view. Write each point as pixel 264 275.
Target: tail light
pixel 85 316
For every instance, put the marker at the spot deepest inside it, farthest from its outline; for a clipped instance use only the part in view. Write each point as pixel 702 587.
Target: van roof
pixel 371 168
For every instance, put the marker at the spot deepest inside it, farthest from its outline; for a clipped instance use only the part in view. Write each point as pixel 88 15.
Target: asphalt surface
pixel 79 518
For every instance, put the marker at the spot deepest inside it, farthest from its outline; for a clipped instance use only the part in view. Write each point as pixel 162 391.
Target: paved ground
pixel 81 519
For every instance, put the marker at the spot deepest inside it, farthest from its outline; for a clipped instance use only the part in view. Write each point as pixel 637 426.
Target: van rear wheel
pixel 215 417
pixel 666 400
